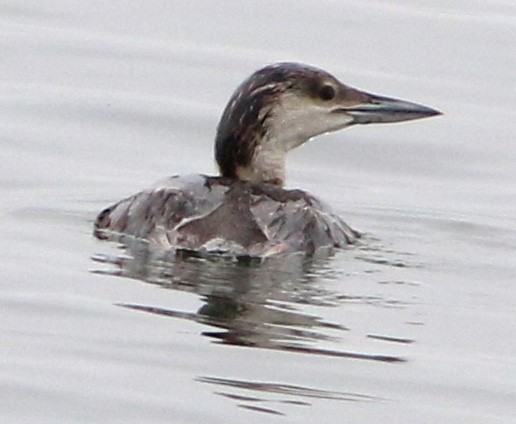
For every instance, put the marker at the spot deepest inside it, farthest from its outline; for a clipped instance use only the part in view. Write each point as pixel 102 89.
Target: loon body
pixel 246 211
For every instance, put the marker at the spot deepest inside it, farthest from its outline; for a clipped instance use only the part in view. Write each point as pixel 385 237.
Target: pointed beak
pixel 379 109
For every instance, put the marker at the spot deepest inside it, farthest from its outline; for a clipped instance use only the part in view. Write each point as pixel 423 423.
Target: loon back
pixel 216 215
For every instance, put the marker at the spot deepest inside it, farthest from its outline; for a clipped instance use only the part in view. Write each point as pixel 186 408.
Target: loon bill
pixel 246 211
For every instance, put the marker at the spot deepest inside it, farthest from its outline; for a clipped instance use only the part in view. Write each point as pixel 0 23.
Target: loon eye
pixel 327 92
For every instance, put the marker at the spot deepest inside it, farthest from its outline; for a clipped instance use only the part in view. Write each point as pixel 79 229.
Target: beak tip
pixel 434 112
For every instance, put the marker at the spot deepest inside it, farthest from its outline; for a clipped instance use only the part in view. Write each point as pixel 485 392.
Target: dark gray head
pixel 283 105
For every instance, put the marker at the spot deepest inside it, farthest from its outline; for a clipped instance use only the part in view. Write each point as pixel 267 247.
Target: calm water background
pixel 417 324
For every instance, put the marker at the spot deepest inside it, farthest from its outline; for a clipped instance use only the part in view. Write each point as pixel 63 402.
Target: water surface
pixel 414 324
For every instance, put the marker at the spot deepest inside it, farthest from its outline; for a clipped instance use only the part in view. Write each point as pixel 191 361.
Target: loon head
pixel 281 106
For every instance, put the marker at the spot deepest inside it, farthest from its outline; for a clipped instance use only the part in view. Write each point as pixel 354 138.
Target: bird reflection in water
pixel 255 304
pixel 249 302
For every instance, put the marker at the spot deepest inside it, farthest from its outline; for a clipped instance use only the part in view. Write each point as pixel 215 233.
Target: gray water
pixel 415 324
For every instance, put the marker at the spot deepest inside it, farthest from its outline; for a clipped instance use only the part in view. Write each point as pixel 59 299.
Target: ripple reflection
pixel 251 303
pixel 271 393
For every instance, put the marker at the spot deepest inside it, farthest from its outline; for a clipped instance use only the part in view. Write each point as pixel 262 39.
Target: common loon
pixel 246 211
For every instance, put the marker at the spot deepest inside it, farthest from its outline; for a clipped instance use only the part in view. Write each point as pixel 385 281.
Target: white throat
pixel 267 163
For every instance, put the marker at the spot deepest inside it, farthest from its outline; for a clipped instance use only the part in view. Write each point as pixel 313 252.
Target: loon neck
pixel 259 154
pixel 267 164
pixel 252 142
pixel 255 159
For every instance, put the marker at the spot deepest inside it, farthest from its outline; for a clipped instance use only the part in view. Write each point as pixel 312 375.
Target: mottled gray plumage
pixel 221 215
